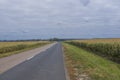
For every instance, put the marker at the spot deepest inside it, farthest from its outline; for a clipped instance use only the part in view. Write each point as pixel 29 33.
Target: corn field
pixel 109 48
pixel 6 47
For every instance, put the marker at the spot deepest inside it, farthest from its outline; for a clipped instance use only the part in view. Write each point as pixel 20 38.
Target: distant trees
pixel 54 39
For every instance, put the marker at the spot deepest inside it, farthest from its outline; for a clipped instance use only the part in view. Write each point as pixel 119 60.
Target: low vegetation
pixel 9 48
pixel 84 65
pixel 109 48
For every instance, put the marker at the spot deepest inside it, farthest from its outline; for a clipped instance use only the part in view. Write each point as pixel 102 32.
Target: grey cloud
pixel 85 2
pixel 56 17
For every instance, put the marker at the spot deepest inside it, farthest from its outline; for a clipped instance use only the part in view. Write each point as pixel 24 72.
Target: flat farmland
pixel 9 48
pixel 93 59
pixel 109 48
pixel 114 40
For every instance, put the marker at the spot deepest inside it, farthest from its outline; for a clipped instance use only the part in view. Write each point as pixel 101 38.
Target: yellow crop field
pixel 7 44
pixel 114 40
pixel 109 48
pixel 9 48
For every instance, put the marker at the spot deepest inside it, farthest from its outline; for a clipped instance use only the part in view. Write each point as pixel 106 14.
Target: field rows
pixel 9 48
pixel 109 48
pixel 84 65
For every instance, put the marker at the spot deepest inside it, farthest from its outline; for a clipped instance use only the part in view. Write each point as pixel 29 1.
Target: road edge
pixel 65 68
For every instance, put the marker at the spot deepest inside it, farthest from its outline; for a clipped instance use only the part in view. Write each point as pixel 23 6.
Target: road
pixel 11 61
pixel 47 65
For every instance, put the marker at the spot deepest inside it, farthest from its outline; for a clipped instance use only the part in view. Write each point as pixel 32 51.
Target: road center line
pixel 30 58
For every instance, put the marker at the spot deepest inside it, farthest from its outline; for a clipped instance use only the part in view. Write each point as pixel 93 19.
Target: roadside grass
pixel 82 64
pixel 10 49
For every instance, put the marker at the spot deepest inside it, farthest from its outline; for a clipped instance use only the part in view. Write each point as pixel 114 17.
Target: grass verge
pixel 84 65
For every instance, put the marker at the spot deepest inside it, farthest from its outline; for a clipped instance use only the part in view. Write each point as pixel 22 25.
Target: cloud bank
pixel 21 19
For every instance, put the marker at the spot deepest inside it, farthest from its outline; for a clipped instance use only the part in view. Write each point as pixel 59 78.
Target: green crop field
pixel 86 65
pixel 108 48
pixel 9 48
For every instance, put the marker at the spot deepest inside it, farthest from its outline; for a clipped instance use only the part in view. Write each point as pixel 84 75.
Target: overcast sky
pixel 27 19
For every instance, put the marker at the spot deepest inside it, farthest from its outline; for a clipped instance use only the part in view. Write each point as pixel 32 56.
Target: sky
pixel 43 19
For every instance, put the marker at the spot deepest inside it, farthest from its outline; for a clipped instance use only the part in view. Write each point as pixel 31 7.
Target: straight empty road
pixel 47 65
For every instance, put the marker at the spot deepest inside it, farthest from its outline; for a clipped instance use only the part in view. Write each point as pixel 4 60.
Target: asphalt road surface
pixel 7 63
pixel 47 65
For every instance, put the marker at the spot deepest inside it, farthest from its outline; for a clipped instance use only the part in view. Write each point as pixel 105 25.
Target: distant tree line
pixel 23 40
pixel 51 39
